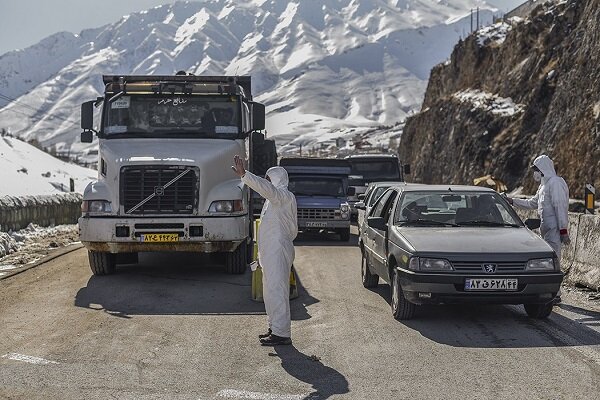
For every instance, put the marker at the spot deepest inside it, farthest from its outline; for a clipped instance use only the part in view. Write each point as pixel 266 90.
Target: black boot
pixel 274 340
pixel 265 335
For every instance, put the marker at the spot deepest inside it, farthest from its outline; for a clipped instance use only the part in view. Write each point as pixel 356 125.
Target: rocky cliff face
pixel 509 93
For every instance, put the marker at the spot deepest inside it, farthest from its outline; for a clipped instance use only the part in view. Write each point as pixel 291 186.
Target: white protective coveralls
pixel 552 203
pixel 278 229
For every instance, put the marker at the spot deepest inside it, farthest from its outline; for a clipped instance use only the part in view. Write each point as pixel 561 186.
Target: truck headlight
pixel 345 211
pixel 429 264
pixel 540 264
pixel 226 206
pixel 96 207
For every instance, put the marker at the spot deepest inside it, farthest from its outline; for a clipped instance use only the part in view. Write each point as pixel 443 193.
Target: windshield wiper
pixel 487 223
pixel 426 222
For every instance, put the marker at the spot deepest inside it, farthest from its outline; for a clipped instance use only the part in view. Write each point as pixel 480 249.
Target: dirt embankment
pixel 509 93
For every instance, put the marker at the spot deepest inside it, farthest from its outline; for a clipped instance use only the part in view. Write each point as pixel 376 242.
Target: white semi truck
pixel 166 144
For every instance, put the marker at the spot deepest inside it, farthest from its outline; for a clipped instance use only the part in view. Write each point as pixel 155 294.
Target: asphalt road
pixel 175 327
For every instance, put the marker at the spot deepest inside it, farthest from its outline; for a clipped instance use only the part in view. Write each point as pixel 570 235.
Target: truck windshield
pixel 374 170
pixel 317 186
pixel 171 115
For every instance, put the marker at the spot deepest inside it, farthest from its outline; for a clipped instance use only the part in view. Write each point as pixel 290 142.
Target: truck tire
pixel 368 279
pixel 538 311
pixel 402 309
pixel 236 261
pixel 344 234
pixel 102 263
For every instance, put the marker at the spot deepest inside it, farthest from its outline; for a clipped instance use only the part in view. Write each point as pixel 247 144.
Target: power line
pixel 21 104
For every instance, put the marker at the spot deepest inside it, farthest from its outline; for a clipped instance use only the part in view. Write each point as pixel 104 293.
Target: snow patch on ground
pixel 501 106
pixel 495 33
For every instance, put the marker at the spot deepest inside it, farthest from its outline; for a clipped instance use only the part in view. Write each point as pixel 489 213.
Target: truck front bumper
pixel 201 234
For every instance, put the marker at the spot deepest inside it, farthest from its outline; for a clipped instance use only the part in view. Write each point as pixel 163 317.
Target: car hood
pixel 470 240
pixel 318 202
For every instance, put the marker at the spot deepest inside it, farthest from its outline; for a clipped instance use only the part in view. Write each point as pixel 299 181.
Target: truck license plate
pixel 159 237
pixel 491 284
pixel 316 224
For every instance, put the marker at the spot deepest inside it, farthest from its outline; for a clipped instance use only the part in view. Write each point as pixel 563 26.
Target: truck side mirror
pixel 87 136
pixel 351 191
pixel 406 169
pixel 258 116
pixel 87 116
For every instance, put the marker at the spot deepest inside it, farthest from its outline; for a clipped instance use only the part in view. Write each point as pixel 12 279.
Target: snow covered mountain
pixel 28 171
pixel 324 68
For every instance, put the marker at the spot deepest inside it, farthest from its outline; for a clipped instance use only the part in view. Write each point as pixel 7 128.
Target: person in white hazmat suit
pixel 278 229
pixel 552 203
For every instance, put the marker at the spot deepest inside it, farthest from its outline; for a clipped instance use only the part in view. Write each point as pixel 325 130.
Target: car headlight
pixel 96 206
pixel 344 208
pixel 541 264
pixel 226 206
pixel 429 264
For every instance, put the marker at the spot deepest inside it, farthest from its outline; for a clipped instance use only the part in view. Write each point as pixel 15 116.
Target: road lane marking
pixel 28 359
pixel 244 394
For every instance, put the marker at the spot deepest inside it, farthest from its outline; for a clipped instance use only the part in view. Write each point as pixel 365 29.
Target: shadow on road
pixel 498 326
pixel 178 284
pixel 589 317
pixel 325 380
pixel 324 239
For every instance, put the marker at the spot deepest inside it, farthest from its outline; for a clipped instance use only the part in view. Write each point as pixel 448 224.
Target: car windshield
pixel 317 186
pixel 170 115
pixel 455 209
pixel 372 170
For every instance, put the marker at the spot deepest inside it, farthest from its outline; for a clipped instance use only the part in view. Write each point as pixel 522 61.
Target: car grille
pixel 147 184
pixel 477 267
pixel 316 213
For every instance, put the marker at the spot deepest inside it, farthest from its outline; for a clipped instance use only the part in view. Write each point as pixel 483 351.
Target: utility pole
pixel 471 20
pixel 477 18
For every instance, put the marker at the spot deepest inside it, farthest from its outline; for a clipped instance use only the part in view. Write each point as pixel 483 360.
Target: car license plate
pixel 491 284
pixel 159 237
pixel 316 224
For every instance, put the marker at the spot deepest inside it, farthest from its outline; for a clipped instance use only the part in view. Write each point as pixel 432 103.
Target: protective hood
pixel 278 176
pixel 546 165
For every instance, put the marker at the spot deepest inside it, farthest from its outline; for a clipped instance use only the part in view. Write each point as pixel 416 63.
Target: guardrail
pixel 580 260
pixel 18 212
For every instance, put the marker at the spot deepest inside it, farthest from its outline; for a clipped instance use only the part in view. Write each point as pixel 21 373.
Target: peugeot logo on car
pixel 159 190
pixel 489 268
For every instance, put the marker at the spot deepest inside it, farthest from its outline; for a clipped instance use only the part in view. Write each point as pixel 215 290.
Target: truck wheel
pixel 236 261
pixel 402 309
pixel 539 311
pixel 369 280
pixel 344 234
pixel 102 263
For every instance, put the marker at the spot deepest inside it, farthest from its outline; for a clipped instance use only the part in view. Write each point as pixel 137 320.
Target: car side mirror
pixel 360 206
pixel 377 223
pixel 351 191
pixel 258 116
pixel 406 168
pixel 533 223
pixel 87 136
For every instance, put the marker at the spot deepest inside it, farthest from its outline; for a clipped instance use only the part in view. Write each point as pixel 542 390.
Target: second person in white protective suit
pixel 278 229
pixel 551 202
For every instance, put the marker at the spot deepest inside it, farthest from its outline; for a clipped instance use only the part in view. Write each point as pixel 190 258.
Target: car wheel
pixel 102 263
pixel 402 309
pixel 344 234
pixel 369 280
pixel 538 311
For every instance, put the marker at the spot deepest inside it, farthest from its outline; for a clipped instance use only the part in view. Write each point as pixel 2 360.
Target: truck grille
pixel 157 187
pixel 477 267
pixel 316 213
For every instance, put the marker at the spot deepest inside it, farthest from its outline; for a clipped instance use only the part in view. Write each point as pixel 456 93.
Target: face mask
pixel 537 176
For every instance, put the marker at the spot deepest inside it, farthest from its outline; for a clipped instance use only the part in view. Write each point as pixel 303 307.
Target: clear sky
pixel 26 22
